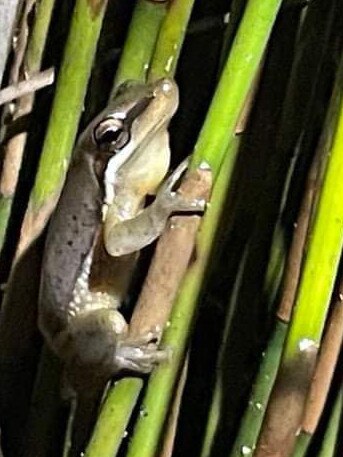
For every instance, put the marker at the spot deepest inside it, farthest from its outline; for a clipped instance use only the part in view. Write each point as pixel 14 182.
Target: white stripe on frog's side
pixel 111 172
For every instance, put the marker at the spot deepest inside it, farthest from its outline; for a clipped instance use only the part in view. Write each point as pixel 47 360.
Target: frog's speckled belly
pixel 83 299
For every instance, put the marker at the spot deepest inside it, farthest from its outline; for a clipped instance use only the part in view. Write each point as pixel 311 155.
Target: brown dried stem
pixel 20 42
pixel 35 82
pixel 286 406
pixel 296 252
pixel 327 361
pixel 171 427
pixel 172 256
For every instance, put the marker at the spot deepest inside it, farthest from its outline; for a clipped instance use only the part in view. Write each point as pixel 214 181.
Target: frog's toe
pixel 140 359
pixel 176 175
pixel 152 337
pixel 185 204
pixel 176 202
pixel 173 201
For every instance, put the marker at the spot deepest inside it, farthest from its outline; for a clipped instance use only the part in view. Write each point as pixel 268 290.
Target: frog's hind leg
pixel 98 341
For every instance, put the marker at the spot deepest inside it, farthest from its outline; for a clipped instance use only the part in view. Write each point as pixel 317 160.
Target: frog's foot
pixel 172 201
pixel 140 354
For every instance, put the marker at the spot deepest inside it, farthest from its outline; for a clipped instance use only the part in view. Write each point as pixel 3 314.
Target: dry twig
pixel 35 82
pixel 20 42
pixel 8 12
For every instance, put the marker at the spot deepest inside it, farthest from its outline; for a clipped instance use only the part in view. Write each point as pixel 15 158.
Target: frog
pixel 121 157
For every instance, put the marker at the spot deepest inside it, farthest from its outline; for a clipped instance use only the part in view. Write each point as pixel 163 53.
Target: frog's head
pixel 134 115
pixel 137 114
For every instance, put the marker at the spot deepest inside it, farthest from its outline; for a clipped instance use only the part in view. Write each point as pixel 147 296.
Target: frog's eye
pixel 111 134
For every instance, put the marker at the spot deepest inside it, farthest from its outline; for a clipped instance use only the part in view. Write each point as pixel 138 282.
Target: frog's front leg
pixel 131 235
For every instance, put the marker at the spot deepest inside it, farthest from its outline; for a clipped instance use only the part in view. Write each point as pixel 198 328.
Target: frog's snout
pixel 166 95
pixel 167 85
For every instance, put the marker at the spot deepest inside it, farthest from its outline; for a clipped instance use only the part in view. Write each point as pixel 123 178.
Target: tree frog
pixel 121 157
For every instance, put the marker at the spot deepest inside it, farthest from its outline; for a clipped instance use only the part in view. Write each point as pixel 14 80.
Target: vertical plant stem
pixel 167 445
pixel 214 141
pixel 140 42
pixel 170 39
pixel 331 437
pixel 14 148
pixel 160 387
pixel 121 398
pixel 327 360
pixel 236 11
pixel 236 80
pixel 322 260
pixel 252 420
pixel 216 405
pixel 313 298
pixel 64 118
pixel 302 444
pixel 321 382
pixel 8 12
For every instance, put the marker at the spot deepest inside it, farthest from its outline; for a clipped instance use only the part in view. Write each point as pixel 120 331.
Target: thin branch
pixel 8 13
pixel 20 42
pixel 287 402
pixel 60 136
pixel 35 82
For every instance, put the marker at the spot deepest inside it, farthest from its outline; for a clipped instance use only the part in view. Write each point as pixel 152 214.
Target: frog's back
pixel 70 239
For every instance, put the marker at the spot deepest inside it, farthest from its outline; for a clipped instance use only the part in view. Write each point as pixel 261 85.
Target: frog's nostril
pixel 167 85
